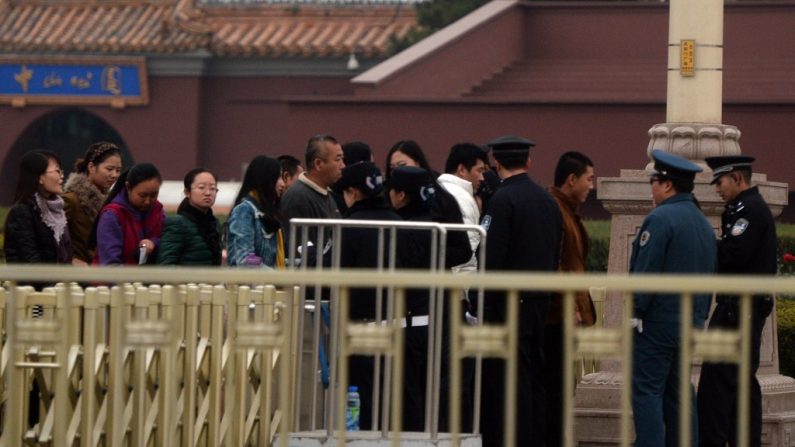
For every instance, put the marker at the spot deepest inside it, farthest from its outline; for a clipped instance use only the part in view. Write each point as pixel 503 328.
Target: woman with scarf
pixel 254 234
pixel 36 229
pixel 86 190
pixel 192 237
pixel 130 223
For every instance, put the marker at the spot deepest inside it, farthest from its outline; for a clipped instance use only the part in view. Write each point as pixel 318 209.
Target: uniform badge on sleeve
pixel 486 222
pixel 740 226
pixel 644 238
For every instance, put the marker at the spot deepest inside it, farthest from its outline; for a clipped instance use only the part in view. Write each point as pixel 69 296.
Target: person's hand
pixel 637 323
pixel 79 262
pixel 148 244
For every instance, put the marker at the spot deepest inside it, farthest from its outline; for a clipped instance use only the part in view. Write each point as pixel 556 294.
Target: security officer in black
pixel 524 230
pixel 747 246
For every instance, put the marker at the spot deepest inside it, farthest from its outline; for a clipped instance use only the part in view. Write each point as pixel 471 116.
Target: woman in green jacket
pixel 192 237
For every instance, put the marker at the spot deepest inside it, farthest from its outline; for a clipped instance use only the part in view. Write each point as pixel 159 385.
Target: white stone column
pixel 697 96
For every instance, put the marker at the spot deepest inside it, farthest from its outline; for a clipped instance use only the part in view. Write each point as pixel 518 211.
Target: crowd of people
pixel 107 215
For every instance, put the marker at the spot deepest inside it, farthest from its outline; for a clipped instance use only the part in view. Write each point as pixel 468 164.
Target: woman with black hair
pixel 406 153
pixel 36 229
pixel 130 223
pixel 192 236
pixel 254 234
pixel 86 190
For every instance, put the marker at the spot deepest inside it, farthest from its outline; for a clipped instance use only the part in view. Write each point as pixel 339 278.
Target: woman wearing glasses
pixel 86 190
pixel 192 236
pixel 130 223
pixel 36 229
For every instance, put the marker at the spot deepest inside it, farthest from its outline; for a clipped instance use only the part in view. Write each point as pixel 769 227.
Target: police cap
pixel 728 163
pixel 364 176
pixel 408 179
pixel 673 166
pixel 510 145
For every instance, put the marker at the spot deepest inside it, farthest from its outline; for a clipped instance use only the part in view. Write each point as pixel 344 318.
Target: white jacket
pixel 462 191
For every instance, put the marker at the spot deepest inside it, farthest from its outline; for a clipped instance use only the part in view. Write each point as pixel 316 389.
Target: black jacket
pixel 29 240
pixel 524 229
pixel 359 249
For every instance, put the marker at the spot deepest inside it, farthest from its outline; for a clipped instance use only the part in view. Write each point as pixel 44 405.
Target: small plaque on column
pixel 687 57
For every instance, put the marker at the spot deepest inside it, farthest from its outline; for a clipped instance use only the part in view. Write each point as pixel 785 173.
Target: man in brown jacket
pixel 574 180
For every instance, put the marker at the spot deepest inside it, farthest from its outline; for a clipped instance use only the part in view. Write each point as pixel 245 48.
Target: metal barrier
pixel 386 262
pixel 136 399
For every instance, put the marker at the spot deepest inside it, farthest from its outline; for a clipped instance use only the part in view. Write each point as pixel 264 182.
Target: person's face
pixel 398 199
pixel 349 195
pixel 473 175
pixel 143 195
pixel 280 187
pixel 290 179
pixel 203 191
pixel 51 181
pixel 400 159
pixel 659 189
pixel 728 186
pixel 581 186
pixel 105 174
pixel 330 167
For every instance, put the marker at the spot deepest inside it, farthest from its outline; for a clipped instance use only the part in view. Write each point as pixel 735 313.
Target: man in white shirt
pixel 463 173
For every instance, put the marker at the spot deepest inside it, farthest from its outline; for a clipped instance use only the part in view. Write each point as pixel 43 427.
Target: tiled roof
pixel 176 26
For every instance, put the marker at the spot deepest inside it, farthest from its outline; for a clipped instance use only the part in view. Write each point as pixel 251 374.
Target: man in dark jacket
pixel 674 238
pixel 747 246
pixel 361 186
pixel 523 227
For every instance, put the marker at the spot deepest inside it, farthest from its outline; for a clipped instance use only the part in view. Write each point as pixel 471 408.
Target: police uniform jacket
pixel 674 238
pixel 748 239
pixel 748 236
pixel 524 230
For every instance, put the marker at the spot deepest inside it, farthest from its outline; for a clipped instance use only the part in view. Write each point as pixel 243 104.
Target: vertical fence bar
pixel 454 412
pixel 115 426
pixel 15 381
pixel 139 374
pixel 744 368
pixel 88 398
pixel 216 364
pixel 511 367
pixel 397 353
pixel 626 362
pixel 342 386
pixel 266 373
pixel 685 355
pixel 189 366
pixel 568 369
pixel 167 394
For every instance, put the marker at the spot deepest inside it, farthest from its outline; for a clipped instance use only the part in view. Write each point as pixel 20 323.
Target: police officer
pixel 524 228
pixel 747 246
pixel 674 238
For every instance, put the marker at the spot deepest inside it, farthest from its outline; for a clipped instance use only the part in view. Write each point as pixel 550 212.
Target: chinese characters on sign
pixel 687 57
pixel 85 81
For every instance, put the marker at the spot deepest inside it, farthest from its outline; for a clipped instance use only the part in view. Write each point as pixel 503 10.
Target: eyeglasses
pixel 205 188
pixel 57 171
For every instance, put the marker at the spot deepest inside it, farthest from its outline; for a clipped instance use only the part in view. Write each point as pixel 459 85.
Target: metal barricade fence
pixel 386 262
pixel 136 400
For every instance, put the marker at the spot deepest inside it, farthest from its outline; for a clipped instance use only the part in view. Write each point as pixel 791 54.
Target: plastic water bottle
pixel 352 411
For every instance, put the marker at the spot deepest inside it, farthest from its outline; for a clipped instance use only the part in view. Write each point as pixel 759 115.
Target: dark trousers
pixel 530 397
pixel 655 386
pixel 718 388
pixel 415 351
pixel 553 382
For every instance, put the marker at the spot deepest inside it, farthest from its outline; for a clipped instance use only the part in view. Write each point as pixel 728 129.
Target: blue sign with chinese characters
pixel 74 81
